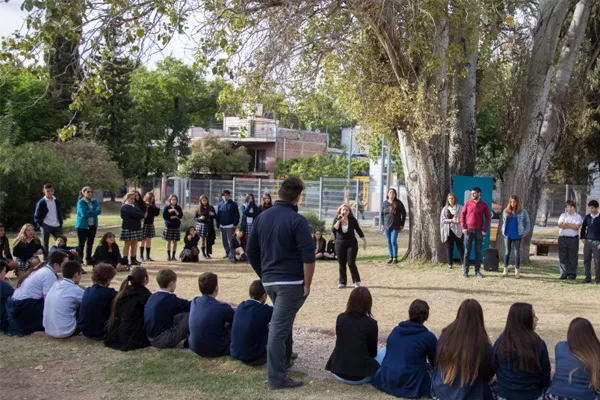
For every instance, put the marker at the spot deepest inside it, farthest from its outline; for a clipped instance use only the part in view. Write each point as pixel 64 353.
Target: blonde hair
pixel 509 210
pixel 339 210
pixel 129 195
pixel 21 238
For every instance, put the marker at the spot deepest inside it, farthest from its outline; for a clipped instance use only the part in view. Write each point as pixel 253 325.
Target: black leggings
pixel 86 235
pixel 346 252
pixel 460 245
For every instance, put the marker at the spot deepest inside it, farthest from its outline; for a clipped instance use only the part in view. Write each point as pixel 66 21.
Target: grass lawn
pixel 77 368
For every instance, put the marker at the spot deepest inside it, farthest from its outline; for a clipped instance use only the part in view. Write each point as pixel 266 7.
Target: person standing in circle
pixel 346 245
pixel 149 231
pixel 266 202
pixel 228 218
pixel 205 226
pixel 86 223
pixel 393 216
pixel 450 231
pixel 249 211
pixel 568 241
pixel 475 219
pixel 48 217
pixel 515 225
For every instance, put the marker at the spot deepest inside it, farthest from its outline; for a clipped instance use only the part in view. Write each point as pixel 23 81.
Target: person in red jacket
pixel 475 220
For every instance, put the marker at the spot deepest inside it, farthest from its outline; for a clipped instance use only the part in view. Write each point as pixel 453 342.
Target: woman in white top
pixel 450 230
pixel 568 241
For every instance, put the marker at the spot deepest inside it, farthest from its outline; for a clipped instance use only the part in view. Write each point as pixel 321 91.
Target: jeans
pixel 346 252
pixel 568 255
pixel 379 358
pixel 86 235
pixel 473 235
pixel 226 235
pixel 512 244
pixel 287 301
pixel 590 248
pixel 46 232
pixel 460 245
pixel 392 241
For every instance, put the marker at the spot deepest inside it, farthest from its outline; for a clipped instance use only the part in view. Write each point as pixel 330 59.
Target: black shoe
pixel 135 262
pixel 562 278
pixel 289 364
pixel 148 259
pixel 83 271
pixel 225 256
pixel 395 261
pixel 288 383
pixel 294 356
pixel 570 278
pixel 587 280
pixel 168 258
pixel 89 261
pixel 391 260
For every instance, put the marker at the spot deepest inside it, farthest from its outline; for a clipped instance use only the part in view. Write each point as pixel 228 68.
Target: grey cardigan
pixel 446 224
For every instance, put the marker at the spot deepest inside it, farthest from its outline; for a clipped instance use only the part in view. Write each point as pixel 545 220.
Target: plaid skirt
pixel 202 229
pixel 25 264
pixel 149 231
pixel 248 228
pixel 129 235
pixel 171 234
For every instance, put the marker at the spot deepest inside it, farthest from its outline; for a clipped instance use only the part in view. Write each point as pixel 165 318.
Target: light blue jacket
pixel 84 212
pixel 523 223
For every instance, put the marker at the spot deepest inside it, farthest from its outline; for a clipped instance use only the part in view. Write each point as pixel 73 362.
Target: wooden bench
pixel 544 246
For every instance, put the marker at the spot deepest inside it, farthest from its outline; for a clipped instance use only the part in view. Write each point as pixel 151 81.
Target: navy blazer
pixel 41 210
pixel 250 330
pixel 172 220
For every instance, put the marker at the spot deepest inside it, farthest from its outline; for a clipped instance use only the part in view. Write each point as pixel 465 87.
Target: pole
pixel 381 192
pixel 259 189
pixel 389 167
pixel 320 196
pixel 349 163
pixel 210 192
pixel 233 190
pixel 357 197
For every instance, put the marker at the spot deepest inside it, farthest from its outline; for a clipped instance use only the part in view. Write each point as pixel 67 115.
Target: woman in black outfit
pixel 346 245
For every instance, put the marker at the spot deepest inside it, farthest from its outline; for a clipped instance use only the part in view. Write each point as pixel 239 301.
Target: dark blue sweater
pixel 24 251
pixel 209 336
pixel 95 310
pixel 280 244
pixel 5 292
pixel 132 217
pixel 579 385
pixel 150 214
pixel 515 384
pixel 250 330
pixel 41 210
pixel 404 370
pixel 172 220
pixel 227 213
pixel 159 311
pixel 590 229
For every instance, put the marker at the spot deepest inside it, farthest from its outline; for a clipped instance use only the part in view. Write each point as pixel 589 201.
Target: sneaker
pixel 391 260
pixel 505 273
pixel 148 259
pixel 356 284
pixel 395 261
pixel 341 286
pixel 479 274
pixel 517 274
pixel 449 266
pixel 465 274
pixel 209 256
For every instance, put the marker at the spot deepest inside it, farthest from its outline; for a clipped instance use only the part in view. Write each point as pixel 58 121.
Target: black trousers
pixel 346 252
pixel 86 236
pixel 46 232
pixel 460 245
pixel 568 254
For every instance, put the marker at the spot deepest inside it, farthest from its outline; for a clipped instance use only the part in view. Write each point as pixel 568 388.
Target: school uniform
pixel 202 224
pixel 5 254
pixel 127 332
pixel 590 234
pixel 516 384
pixel 107 255
pixel 227 217
pixel 250 331
pixel 25 253
pixel 234 244
pixel 67 251
pixel 353 358
pixel 331 247
pixel 190 245
pixel 166 319
pixel 131 227
pixel 61 307
pixel 48 217
pixel 249 211
pixel 95 310
pixel 404 372
pixel 25 308
pixel 172 223
pixel 346 248
pixel 6 290
pixel 210 327
pixel 571 380
pixel 86 224
pixel 149 231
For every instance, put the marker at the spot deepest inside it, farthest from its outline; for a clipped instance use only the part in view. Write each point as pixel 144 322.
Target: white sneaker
pixel 356 284
pixel 517 275
pixel 341 286
pixel 505 273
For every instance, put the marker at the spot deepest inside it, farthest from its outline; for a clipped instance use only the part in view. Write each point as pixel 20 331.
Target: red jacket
pixel 476 215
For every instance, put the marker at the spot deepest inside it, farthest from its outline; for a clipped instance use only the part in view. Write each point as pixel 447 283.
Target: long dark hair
pixel 137 277
pixel 359 303
pixel 463 343
pixel 394 205
pixel 584 345
pixel 201 207
pixel 104 241
pixel 262 201
pixel 317 242
pixel 519 342
pixel 139 201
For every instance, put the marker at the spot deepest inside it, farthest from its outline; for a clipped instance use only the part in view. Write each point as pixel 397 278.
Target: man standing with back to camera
pixel 281 251
pixel 475 220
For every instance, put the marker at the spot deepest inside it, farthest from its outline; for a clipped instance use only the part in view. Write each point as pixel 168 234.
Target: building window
pixel 258 163
pixel 234 130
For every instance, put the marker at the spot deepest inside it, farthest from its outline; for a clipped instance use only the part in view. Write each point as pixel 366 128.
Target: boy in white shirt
pixel 568 241
pixel 62 303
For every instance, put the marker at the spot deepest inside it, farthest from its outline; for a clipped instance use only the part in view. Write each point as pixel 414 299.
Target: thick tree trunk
pixel 581 192
pixel 544 206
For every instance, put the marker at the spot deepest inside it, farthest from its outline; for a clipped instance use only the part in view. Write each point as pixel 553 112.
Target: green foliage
pixel 216 157
pixel 315 223
pixel 24 170
pixel 319 165
pixel 188 220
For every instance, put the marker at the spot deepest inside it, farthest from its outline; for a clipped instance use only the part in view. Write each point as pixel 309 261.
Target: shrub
pixel 188 219
pixel 314 222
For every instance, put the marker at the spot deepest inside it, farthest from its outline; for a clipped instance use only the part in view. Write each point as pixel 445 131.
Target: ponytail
pixel 137 278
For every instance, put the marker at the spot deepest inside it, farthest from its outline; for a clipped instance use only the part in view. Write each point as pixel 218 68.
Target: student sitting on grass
pixel 409 353
pixel 190 251
pixel 577 375
pixel 25 309
pixel 95 305
pixel 250 329
pixel 61 245
pixel 355 359
pixel 210 320
pixel 5 254
pixel 62 303
pixel 321 247
pixel 6 290
pixel 126 322
pixel 330 253
pixel 237 246
pixel 108 252
pixel 27 248
pixel 521 357
pixel 166 316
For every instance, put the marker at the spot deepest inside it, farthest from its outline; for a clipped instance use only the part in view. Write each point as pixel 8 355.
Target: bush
pixel 23 172
pixel 314 222
pixel 188 219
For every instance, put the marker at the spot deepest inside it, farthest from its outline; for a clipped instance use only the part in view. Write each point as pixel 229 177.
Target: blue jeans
pixel 379 358
pixel 512 243
pixel 392 241
pixel 473 235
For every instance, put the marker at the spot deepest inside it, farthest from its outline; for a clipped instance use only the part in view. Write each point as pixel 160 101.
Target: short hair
pixel 570 203
pixel 165 276
pixel 256 290
pixel 418 311
pixel 476 189
pixel 63 237
pixel 593 203
pixel 48 186
pixel 291 188
pixel 103 274
pixel 70 269
pixel 56 257
pixel 3 266
pixel 225 192
pixel 359 302
pixel 208 282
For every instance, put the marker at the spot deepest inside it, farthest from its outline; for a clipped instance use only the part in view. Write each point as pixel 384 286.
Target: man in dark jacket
pixel 48 217
pixel 281 251
pixel 228 217
pixel 590 237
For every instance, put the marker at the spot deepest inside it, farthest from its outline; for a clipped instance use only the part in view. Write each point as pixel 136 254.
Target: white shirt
pixel 37 285
pixel 60 308
pixel 51 218
pixel 569 219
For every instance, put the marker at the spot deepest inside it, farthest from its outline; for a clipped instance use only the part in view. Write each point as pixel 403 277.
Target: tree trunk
pixel 542 219
pixel 581 193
